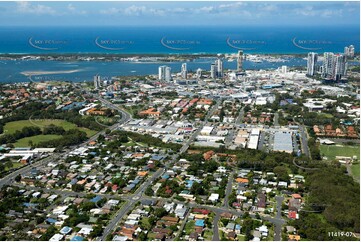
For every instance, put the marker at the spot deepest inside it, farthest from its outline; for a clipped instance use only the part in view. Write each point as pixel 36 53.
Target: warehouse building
pixel 283 142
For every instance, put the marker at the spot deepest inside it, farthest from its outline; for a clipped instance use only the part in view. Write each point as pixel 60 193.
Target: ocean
pixel 160 40
pixel 165 40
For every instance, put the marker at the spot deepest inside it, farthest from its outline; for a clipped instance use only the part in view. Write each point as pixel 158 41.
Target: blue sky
pixel 179 13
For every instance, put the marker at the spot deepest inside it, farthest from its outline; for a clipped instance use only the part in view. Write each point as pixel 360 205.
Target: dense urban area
pixel 215 154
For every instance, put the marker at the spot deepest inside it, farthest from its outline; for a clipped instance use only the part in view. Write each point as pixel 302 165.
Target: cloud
pixel 26 7
pixel 74 10
pixel 233 5
pixel 110 11
pixel 311 11
pixel 269 8
pixel 134 11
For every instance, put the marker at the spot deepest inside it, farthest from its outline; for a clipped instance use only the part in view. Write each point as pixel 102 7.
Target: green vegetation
pixel 355 168
pixel 43 111
pixel 189 227
pixel 26 142
pixel 314 149
pixel 12 127
pixel 146 139
pixel 334 199
pixel 331 151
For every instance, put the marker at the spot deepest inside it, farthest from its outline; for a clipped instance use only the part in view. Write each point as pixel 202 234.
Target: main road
pixel 139 193
pixel 125 117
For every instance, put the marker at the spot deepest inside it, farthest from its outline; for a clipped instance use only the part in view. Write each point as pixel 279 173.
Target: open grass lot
pixel 355 168
pixel 208 235
pixel 331 151
pixel 11 127
pixel 15 165
pixel 24 142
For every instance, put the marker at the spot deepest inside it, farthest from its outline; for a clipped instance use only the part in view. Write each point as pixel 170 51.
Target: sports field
pixel 24 142
pixel 331 151
pixel 11 127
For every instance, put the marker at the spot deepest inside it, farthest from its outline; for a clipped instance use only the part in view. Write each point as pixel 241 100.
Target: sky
pixel 179 13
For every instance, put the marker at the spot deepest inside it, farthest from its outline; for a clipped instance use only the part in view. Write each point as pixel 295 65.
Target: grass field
pixel 15 165
pixel 208 235
pixel 24 142
pixel 11 127
pixel 355 168
pixel 331 151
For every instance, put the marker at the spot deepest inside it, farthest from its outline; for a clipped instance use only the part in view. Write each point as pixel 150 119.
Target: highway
pixel 125 117
pixel 139 194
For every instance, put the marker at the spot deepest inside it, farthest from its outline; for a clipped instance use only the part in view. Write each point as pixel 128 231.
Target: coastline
pixel 121 57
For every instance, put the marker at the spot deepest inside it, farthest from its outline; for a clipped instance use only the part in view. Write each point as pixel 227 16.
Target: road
pixel 183 225
pixel 131 199
pixel 10 178
pixel 261 140
pixel 119 215
pixel 304 141
pixel 228 190
pixel 275 120
pixel 229 139
pixel 215 227
pixel 125 118
pixel 278 222
pixel 139 194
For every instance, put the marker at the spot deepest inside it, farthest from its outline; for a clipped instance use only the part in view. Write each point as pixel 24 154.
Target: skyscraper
pixel 311 63
pixel 328 65
pixel 161 73
pixel 184 71
pixel 240 61
pixel 334 66
pixel 349 51
pixel 213 71
pixel 199 73
pixel 219 65
pixel 340 67
pixel 97 82
pixel 167 76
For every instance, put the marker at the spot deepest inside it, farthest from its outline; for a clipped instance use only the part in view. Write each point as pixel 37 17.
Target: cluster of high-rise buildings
pixel 97 82
pixel 349 51
pixel 164 73
pixel 334 66
pixel 217 69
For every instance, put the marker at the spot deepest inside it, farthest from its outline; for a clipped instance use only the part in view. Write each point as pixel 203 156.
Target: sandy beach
pixel 37 73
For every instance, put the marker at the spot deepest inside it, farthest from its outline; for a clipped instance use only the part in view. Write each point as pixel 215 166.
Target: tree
pixel 142 236
pixel 77 188
pixel 160 212
pixel 18 178
pixel 281 173
pixel 149 191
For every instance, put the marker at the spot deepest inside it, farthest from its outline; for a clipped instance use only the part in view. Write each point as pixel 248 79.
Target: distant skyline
pixel 220 13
